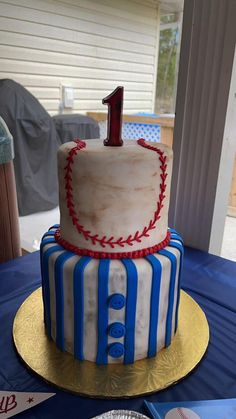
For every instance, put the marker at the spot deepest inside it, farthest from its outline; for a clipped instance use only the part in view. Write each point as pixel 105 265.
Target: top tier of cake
pixel 114 200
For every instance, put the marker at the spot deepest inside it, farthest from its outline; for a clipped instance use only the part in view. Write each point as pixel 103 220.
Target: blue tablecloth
pixel 210 280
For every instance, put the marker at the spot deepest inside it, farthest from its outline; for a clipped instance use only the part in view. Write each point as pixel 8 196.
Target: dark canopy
pixel 35 144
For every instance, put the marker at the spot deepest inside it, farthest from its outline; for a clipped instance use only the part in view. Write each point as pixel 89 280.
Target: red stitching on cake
pixel 111 241
pixel 117 255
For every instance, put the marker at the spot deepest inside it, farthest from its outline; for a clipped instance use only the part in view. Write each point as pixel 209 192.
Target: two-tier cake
pixel 111 271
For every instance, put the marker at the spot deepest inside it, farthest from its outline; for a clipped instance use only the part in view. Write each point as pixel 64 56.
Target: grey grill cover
pixel 35 144
pixel 71 126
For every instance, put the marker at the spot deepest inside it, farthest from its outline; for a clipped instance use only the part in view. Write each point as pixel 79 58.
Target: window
pixel 168 62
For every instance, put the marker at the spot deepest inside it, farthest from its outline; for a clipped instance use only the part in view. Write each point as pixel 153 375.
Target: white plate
pixel 121 414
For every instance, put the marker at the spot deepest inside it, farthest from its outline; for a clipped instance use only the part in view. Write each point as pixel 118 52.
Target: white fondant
pixel 68 287
pixel 144 271
pixel 163 301
pixel 91 310
pixel 111 186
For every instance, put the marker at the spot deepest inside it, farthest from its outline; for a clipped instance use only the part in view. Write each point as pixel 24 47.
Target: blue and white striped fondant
pixel 110 311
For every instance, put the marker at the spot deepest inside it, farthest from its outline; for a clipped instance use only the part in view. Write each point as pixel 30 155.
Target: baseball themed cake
pixel 111 271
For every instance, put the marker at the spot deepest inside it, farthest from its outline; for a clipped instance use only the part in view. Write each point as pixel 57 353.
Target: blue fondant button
pixel 116 350
pixel 116 330
pixel 117 301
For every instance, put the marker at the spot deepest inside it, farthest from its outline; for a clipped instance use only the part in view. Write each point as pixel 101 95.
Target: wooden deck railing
pixel 166 123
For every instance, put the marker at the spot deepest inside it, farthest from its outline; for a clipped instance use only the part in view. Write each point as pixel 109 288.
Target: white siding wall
pixel 93 45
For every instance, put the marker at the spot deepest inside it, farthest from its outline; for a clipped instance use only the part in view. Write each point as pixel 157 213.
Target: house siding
pixel 93 46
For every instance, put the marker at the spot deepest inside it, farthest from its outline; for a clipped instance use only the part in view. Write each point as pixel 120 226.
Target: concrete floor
pixel 32 227
pixel 228 250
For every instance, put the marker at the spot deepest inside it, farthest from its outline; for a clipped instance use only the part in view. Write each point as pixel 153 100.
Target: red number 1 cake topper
pixel 114 123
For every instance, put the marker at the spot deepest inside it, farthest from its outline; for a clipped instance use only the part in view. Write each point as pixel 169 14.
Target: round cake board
pixel 146 376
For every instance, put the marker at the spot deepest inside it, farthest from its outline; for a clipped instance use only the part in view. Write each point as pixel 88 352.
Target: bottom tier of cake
pixel 111 311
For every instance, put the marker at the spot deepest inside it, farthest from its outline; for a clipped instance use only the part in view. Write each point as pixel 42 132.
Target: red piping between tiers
pixel 116 255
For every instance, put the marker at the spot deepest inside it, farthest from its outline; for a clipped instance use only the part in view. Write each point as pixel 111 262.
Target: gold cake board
pixel 110 381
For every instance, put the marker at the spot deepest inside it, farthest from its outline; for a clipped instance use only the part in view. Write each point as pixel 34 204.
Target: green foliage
pixel 166 75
